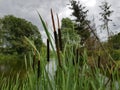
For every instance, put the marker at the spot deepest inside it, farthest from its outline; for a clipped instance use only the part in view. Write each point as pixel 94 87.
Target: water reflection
pixel 12 68
pixel 51 68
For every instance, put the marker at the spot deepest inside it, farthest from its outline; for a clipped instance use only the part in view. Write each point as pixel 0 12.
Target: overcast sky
pixel 27 9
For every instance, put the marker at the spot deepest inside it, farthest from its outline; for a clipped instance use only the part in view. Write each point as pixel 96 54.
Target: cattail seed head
pixel 48 51
pixel 38 71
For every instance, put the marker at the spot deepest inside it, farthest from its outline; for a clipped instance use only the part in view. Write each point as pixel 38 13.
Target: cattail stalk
pixel 56 39
pixel 48 51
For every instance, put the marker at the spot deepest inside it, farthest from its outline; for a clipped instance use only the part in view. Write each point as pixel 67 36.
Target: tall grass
pixel 78 76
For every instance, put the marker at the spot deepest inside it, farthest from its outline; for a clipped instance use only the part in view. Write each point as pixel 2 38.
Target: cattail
pixel 55 33
pixel 56 40
pixel 48 51
pixel 38 71
pixel 53 20
pixel 98 61
pixel 57 48
pixel 59 34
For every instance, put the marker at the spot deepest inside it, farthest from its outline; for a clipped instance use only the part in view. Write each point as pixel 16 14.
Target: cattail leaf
pixel 46 31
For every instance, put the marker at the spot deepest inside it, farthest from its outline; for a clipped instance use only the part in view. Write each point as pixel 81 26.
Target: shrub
pixel 115 54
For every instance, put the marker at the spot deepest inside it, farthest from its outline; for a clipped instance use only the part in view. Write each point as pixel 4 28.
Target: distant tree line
pixel 12 33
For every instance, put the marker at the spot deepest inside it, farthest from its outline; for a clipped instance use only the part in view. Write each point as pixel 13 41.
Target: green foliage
pixel 11 63
pixel 115 41
pixel 15 30
pixel 115 54
pixel 67 23
pixel 7 57
pixel 69 35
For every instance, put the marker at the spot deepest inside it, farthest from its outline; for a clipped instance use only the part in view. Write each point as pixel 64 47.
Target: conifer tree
pixel 80 14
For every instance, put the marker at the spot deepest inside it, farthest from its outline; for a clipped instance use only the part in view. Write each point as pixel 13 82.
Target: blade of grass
pixel 46 30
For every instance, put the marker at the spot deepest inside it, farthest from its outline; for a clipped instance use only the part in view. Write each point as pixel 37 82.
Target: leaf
pixel 46 30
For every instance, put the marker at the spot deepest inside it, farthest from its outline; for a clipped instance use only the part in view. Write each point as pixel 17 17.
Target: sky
pixel 27 9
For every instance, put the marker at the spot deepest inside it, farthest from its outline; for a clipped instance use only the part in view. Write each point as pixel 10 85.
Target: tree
pixel 15 29
pixel 67 23
pixel 105 16
pixel 69 35
pixel 115 41
pixel 80 14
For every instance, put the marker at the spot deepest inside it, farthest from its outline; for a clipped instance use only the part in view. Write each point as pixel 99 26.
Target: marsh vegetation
pixel 74 57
